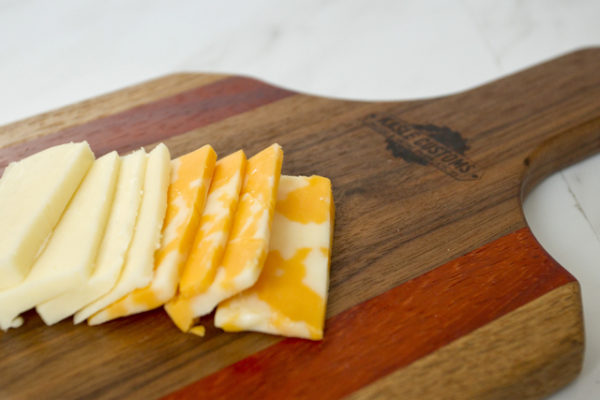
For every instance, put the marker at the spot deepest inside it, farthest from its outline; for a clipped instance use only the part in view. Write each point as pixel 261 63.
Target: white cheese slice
pixel 116 241
pixel 139 261
pixel 67 260
pixel 191 176
pixel 33 194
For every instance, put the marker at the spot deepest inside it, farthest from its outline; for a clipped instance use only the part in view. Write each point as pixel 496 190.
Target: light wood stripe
pixel 159 120
pixel 524 355
pixel 102 106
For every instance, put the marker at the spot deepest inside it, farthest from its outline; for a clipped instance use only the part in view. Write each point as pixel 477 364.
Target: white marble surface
pixel 54 53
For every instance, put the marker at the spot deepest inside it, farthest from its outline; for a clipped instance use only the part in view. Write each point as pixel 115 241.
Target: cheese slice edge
pixel 34 192
pixel 68 258
pixel 116 239
pixel 191 176
pixel 138 267
pixel 247 245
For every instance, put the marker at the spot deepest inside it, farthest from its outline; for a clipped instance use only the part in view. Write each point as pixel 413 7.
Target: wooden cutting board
pixel 438 288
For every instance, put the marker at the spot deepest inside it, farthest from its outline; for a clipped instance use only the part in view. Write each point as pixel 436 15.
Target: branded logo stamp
pixel 426 144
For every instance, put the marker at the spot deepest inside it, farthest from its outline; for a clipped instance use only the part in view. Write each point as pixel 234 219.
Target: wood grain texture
pixel 157 121
pixel 394 329
pixel 404 207
pixel 101 106
pixel 561 151
pixel 550 326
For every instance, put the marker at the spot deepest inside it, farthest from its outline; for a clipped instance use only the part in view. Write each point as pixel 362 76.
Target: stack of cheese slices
pixel 99 239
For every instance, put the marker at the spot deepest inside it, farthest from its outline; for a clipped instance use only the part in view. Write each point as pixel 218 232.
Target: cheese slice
pixel 68 258
pixel 139 261
pixel 290 296
pixel 209 243
pixel 117 237
pixel 33 194
pixel 198 331
pixel 190 179
pixel 248 242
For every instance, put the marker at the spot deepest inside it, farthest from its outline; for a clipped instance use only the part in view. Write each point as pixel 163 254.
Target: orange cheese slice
pixel 211 239
pixel 290 296
pixel 248 242
pixel 198 330
pixel 191 176
pixel 215 226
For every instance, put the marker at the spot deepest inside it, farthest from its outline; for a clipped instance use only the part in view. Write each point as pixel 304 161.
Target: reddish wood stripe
pixel 395 328
pixel 159 120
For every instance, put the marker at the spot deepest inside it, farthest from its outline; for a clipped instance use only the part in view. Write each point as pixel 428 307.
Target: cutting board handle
pixel 566 148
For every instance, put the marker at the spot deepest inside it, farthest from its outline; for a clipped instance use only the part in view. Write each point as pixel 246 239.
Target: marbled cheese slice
pixel 67 260
pixel 209 243
pixel 117 237
pixel 34 192
pixel 248 242
pixel 139 262
pixel 290 295
pixel 191 177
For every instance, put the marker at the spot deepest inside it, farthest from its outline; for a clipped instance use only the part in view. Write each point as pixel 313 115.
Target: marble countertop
pixel 54 53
